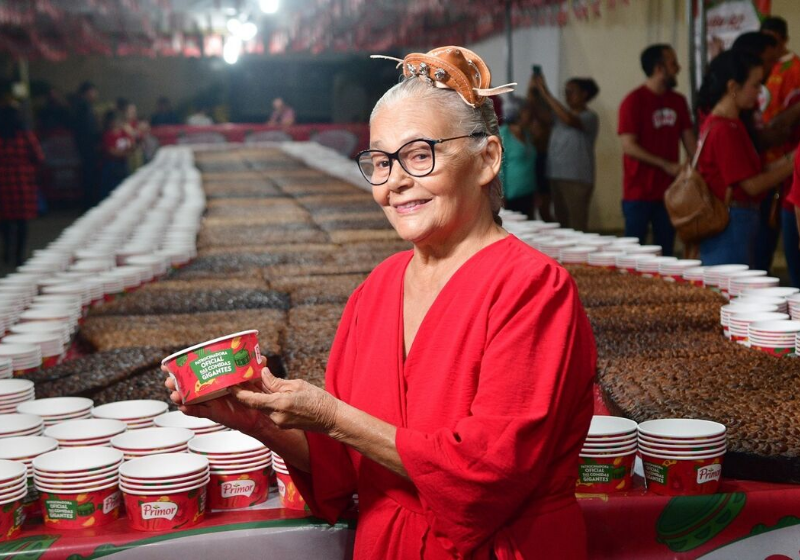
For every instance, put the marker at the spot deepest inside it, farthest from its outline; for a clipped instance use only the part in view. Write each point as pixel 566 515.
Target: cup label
pixel 159 510
pixel 112 502
pixel 238 488
pixel 210 366
pixel 61 509
pixel 655 473
pixel 601 473
pixel 709 473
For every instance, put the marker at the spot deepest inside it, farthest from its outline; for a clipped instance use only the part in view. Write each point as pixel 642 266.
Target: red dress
pixel 19 160
pixel 492 406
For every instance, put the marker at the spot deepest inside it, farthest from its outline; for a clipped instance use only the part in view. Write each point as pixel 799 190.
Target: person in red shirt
pixel 653 121
pixel 20 158
pixel 793 198
pixel 459 384
pixel 727 158
pixel 783 85
pixel 116 147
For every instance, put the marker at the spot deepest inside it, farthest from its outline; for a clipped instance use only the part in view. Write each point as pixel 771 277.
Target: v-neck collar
pixel 404 358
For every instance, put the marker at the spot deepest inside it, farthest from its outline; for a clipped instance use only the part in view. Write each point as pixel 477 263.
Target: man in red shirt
pixel 653 121
pixel 783 86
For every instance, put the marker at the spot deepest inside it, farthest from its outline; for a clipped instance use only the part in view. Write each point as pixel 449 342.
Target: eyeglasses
pixel 417 158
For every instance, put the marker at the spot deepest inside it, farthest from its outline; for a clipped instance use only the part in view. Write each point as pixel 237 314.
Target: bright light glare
pixel 247 31
pixel 269 6
pixel 234 26
pixel 232 50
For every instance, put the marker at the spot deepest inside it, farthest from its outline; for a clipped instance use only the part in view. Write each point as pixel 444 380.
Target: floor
pixel 43 230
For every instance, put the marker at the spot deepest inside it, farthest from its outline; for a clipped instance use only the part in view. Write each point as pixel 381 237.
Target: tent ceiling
pixel 55 29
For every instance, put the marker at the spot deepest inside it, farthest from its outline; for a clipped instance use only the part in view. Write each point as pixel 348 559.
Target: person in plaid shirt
pixel 20 156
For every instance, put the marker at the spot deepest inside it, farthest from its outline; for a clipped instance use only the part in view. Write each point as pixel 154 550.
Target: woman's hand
pixel 540 83
pixel 224 410
pixel 290 403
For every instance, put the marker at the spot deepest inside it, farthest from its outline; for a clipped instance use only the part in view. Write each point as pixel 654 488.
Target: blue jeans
pixel 736 244
pixel 639 214
pixel 791 240
pixel 767 238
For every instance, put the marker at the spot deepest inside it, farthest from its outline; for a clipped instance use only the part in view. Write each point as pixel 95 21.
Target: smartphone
pixel 537 69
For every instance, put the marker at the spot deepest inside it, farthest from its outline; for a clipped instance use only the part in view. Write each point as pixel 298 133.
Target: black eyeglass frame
pixel 396 155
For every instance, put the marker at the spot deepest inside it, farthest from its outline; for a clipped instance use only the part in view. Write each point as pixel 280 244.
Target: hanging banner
pixel 726 20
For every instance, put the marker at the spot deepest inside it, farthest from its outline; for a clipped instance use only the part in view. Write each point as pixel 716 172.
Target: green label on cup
pixel 600 473
pixel 655 473
pixel 213 365
pixel 242 357
pixel 85 509
pixel 61 509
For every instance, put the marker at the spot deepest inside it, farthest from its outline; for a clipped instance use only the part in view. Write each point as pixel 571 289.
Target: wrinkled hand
pixel 225 410
pixel 672 168
pixel 290 403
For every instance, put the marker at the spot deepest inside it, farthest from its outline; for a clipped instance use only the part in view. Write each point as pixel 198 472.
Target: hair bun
pixel 455 68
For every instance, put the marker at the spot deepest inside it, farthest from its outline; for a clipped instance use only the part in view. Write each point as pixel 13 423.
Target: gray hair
pixel 464 119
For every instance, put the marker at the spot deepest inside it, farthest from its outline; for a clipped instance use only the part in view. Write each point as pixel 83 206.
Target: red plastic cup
pixel 93 507
pixel 604 474
pixel 166 512
pixel 234 491
pixel 290 495
pixel 205 371
pixel 12 516
pixel 682 476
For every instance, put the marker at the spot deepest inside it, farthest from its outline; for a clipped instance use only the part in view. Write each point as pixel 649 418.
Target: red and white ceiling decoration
pixel 56 29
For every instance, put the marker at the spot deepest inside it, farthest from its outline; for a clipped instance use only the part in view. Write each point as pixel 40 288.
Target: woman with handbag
pixel 728 161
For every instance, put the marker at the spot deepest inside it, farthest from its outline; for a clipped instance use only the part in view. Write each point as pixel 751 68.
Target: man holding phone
pixel 653 121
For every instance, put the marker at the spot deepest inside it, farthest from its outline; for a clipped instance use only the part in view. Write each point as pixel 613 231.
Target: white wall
pixel 532 45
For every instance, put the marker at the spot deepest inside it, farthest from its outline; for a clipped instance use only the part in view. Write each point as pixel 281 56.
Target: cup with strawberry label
pixel 206 370
pixel 165 492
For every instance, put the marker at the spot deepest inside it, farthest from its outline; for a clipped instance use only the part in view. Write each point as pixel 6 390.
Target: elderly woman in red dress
pixel 459 385
pixel 20 158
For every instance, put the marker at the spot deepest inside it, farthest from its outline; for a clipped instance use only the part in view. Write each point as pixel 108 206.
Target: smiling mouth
pixel 410 205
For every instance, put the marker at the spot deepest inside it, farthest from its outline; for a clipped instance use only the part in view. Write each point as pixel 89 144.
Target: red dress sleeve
pixel 537 368
pixel 330 486
pixel 627 117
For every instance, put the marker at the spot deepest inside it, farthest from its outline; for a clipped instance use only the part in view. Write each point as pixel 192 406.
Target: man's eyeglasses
pixel 417 158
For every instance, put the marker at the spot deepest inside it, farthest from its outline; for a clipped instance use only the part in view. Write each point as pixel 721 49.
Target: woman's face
pixel 429 210
pixel 746 95
pixel 574 95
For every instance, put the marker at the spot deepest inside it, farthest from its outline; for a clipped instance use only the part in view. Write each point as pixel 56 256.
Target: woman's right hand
pixel 224 410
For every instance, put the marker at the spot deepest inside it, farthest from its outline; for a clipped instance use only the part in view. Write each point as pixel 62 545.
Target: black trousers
pixel 15 236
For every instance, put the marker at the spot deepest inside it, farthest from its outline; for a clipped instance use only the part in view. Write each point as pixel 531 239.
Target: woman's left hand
pixel 291 403
pixel 541 84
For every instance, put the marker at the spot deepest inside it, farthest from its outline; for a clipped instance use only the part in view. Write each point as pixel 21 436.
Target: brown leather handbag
pixel 693 209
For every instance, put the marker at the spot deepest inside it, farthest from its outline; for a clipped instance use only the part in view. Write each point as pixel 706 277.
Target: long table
pixel 260 533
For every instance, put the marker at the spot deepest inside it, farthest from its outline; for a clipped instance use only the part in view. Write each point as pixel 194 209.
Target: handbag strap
pixel 700 145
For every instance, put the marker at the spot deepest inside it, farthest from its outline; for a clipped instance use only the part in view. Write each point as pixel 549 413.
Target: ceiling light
pixel 232 50
pixel 247 31
pixel 269 6
pixel 234 25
